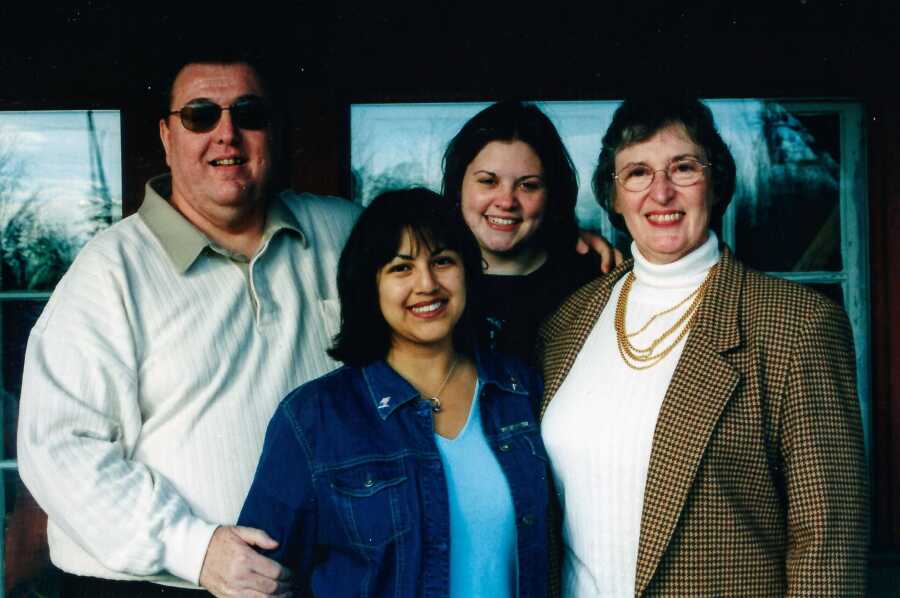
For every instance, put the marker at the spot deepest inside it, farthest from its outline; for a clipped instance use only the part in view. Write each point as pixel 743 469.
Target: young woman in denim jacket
pixel 417 468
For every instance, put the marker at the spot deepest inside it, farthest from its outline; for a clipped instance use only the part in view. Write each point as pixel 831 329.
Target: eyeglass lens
pixel 248 113
pixel 681 172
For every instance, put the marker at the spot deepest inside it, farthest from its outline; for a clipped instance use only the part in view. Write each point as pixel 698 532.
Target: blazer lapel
pixel 595 298
pixel 701 386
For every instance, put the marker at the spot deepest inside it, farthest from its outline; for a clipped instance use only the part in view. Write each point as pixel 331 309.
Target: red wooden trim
pixel 319 158
pixel 884 240
pixel 27 555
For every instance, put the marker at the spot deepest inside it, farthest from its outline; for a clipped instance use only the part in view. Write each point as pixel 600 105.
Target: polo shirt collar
pixel 182 241
pixel 279 217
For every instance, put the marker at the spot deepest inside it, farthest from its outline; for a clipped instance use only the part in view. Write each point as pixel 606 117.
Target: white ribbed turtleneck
pixel 598 429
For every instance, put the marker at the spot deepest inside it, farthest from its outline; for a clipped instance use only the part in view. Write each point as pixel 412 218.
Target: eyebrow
pixel 199 99
pixel 672 159
pixel 524 176
pixel 245 96
pixel 434 252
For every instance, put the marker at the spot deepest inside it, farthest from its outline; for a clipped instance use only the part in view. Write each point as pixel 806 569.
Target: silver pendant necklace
pixel 436 399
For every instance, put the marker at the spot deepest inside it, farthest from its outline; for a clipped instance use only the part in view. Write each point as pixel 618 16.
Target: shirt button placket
pixel 260 290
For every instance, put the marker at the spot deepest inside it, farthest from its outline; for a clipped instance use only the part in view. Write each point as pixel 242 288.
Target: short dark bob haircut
pixel 435 224
pixel 511 120
pixel 638 120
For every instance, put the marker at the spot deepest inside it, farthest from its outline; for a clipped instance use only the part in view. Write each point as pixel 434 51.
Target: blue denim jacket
pixel 350 482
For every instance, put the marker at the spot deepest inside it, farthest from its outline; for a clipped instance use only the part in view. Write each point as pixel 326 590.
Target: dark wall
pixel 99 53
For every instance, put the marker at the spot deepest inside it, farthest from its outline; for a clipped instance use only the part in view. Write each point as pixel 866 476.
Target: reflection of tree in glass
pixel 404 174
pixel 411 162
pixel 787 199
pixel 99 202
pixel 35 253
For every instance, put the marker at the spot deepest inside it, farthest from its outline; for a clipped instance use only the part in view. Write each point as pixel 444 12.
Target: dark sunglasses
pixel 200 116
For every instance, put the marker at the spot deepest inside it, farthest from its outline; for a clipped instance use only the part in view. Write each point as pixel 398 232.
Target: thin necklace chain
pixel 662 313
pixel 645 358
pixel 436 398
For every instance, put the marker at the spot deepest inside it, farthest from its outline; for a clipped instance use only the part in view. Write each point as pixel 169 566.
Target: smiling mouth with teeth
pixel 501 221
pixel 672 217
pixel 427 308
pixel 228 162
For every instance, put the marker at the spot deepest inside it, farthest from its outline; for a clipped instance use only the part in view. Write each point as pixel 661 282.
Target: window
pixel 60 183
pixel 799 210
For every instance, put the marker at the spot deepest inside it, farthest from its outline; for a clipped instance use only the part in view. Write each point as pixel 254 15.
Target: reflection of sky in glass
pixel 394 144
pixel 54 151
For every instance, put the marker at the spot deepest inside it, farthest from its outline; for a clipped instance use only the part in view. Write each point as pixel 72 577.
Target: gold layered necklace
pixel 642 358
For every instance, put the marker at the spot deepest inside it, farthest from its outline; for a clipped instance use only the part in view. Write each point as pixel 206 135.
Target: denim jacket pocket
pixel 370 499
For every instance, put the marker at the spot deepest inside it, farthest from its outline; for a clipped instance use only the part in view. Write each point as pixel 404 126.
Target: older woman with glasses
pixel 701 418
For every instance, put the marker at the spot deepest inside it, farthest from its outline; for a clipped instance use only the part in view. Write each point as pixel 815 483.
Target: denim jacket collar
pixel 388 389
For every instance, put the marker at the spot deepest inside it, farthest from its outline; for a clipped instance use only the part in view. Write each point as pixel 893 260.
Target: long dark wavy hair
pixel 517 121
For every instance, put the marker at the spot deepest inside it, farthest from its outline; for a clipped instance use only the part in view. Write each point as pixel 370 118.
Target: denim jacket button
pixel 369 483
pixel 528 520
pixel 504 447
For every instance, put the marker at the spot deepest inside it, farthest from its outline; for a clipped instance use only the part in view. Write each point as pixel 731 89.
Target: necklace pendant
pixel 435 404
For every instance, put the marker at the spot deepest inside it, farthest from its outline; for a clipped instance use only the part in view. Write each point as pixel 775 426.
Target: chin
pixel 240 195
pixel 504 245
pixel 500 249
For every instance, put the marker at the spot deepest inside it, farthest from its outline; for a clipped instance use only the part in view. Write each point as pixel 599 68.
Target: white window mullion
pixel 855 248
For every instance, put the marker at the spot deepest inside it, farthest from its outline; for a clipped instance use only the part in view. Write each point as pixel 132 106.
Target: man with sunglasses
pixel 161 356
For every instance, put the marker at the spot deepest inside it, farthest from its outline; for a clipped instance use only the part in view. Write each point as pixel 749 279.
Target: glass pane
pixel 27 558
pixel 788 168
pixel 393 145
pixel 788 204
pixel 832 291
pixel 16 321
pixel 399 145
pixel 60 182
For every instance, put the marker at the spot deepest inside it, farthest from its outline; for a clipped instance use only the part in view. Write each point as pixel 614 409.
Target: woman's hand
pixel 590 241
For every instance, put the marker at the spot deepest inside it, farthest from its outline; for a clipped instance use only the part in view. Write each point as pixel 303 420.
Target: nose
pixel 506 198
pixel 426 282
pixel 661 189
pixel 226 132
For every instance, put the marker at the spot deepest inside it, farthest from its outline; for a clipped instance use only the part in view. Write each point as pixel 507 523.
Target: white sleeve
pixel 79 421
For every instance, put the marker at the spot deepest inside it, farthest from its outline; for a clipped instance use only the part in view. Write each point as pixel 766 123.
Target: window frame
pixel 119 211
pixel 854 276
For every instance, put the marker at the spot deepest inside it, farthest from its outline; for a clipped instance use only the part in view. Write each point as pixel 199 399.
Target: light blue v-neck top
pixel 482 516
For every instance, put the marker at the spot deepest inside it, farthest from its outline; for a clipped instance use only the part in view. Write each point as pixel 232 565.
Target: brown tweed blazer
pixel 757 483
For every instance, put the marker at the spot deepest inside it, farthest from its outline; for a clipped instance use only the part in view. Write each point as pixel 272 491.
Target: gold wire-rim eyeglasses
pixel 672 174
